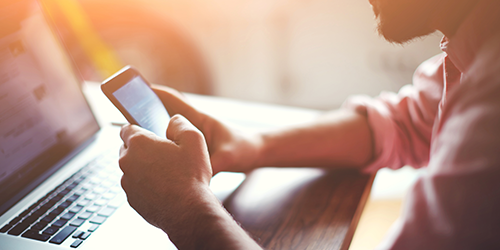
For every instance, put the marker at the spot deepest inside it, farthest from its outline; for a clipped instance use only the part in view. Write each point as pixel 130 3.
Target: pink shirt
pixel 449 122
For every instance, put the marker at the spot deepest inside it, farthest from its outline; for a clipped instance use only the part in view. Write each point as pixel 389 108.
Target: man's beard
pixel 400 21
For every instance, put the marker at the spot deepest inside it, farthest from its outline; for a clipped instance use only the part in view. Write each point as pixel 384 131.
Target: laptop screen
pixel 43 113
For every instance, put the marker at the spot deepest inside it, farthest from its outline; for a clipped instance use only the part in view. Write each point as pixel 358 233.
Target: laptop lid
pixel 43 113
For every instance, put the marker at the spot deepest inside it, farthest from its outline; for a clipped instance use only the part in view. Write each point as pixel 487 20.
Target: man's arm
pixel 341 138
pixel 166 181
pixel 205 224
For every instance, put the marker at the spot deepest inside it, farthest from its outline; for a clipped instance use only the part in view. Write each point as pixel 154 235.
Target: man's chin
pixel 375 9
pixel 400 34
pixel 402 21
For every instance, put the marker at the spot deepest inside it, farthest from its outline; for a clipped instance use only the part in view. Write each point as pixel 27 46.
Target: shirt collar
pixel 480 25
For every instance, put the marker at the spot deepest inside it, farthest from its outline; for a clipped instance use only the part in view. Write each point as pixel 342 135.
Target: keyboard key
pixel 101 202
pixel 117 201
pixel 15 220
pixel 38 202
pixel 38 213
pixel 106 212
pixel 99 190
pixel 85 215
pixel 77 234
pixel 90 196
pixel 43 209
pixel 85 235
pixel 95 180
pixel 50 230
pixel 93 208
pixel 65 204
pixel 24 213
pixel 19 228
pixel 35 235
pixel 39 226
pixel 76 209
pixel 103 175
pixel 59 223
pixel 68 216
pixel 98 219
pixel 88 186
pixel 80 191
pixel 77 222
pixel 108 195
pixel 93 227
pixel 50 203
pixel 74 197
pixel 64 192
pixel 58 210
pixel 30 219
pixel 115 189
pixel 5 228
pixel 55 212
pixel 80 179
pixel 49 218
pixel 61 236
pixel 83 203
pixel 76 243
pixel 34 205
pixel 107 184
pixel 58 197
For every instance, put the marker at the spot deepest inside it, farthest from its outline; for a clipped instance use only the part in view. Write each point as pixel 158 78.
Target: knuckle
pixel 176 118
pixel 124 184
pixel 193 136
pixel 122 162
pixel 131 202
pixel 137 139
pixel 192 133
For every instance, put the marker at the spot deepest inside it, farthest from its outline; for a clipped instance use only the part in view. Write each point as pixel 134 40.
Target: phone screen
pixel 143 105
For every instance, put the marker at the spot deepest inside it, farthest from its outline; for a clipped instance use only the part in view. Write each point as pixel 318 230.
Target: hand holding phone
pixel 133 96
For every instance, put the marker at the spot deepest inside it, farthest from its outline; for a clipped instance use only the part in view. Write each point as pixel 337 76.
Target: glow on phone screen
pixel 144 106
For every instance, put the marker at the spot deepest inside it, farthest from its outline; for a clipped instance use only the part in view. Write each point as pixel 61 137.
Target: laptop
pixel 59 174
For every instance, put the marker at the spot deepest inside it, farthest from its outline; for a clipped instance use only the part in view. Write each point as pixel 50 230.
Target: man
pixel 448 120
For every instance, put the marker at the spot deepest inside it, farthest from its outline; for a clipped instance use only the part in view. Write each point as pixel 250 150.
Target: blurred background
pixel 307 53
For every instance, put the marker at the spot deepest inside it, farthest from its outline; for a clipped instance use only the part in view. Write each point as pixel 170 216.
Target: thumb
pixel 176 103
pixel 182 132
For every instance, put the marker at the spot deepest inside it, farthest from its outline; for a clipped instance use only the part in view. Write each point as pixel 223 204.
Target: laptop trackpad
pixel 126 229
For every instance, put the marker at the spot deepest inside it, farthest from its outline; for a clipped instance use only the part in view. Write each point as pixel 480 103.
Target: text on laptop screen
pixel 43 114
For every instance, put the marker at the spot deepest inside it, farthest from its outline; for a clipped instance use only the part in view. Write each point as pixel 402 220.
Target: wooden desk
pixel 284 208
pixel 300 208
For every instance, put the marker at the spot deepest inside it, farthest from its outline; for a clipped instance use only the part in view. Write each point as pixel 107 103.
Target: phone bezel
pixel 118 80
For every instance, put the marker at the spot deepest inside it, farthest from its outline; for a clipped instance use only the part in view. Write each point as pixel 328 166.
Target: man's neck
pixel 451 14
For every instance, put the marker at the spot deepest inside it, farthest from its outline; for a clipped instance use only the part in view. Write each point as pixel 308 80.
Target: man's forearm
pixel 341 138
pixel 202 223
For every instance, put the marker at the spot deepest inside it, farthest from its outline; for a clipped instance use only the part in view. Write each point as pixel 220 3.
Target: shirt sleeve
pixel 456 204
pixel 401 123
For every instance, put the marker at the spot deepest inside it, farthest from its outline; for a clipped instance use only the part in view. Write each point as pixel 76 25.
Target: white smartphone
pixel 129 91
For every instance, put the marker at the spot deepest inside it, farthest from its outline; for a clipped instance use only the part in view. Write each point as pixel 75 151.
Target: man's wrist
pixel 191 206
pixel 202 222
pixel 257 143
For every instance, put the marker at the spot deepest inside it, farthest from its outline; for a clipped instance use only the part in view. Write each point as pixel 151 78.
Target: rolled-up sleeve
pixel 401 123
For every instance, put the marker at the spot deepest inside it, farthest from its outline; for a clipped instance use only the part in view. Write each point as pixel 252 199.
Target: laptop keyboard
pixel 75 208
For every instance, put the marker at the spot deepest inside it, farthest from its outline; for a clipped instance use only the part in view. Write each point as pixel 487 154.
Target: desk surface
pixel 300 208
pixel 281 208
